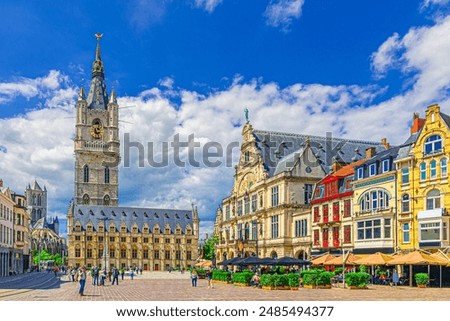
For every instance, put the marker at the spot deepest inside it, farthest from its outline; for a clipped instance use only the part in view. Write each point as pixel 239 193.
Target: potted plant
pixel 242 278
pixel 357 280
pixel 220 276
pixel 281 281
pixel 294 281
pixel 421 279
pixel 267 282
pixel 323 280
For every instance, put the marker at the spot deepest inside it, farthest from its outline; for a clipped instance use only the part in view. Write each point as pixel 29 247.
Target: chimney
pixel 417 123
pixel 370 152
pixel 1 183
pixel 385 143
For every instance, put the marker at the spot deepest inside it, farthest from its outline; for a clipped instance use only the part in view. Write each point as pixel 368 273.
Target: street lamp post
pixel 105 244
pixel 343 262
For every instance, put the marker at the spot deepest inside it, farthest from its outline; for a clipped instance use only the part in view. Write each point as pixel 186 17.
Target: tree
pixel 208 248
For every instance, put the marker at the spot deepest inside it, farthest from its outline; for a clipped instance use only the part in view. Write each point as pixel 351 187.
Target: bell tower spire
pixel 97 97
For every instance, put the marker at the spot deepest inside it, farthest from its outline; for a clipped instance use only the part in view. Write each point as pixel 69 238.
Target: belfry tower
pixel 97 144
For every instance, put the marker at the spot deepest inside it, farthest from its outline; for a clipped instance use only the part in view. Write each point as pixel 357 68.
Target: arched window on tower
pixel 86 199
pixel 86 174
pixel 106 175
pixel 39 200
pixel 106 200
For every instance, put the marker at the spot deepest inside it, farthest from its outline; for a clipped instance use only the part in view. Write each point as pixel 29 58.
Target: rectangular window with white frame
pixel 360 173
pixel 385 166
pixel 406 231
pixel 405 176
pixel 372 169
pixel 430 232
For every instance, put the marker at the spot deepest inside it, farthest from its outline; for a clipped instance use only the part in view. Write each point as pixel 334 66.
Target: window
pixel 444 172
pixel 246 231
pixel 385 166
pixel 316 214
pixel 405 176
pixel 405 203
pixel 360 173
pixel 387 228
pixel 308 193
pixel 316 237
pixel 106 175
pixel 254 203
pixel 325 213
pixel 368 230
pixel 246 157
pixel 106 200
pixel 227 213
pixel 156 254
pixel 86 174
pixel 374 200
pixel 274 224
pixel 275 200
pixel 347 234
pixel 372 169
pixel 433 171
pixel 433 199
pixel 430 231
pixel 423 171
pixel 301 228
pixel 86 199
pixel 433 144
pixel 247 205
pixel 347 208
pixel 239 207
pixel 406 233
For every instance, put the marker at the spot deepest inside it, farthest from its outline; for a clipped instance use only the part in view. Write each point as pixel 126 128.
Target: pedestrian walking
pixel 209 279
pixel 194 277
pixel 82 280
pixel 131 273
pixel 56 269
pixel 72 274
pixel 95 275
pixel 115 276
pixel 122 273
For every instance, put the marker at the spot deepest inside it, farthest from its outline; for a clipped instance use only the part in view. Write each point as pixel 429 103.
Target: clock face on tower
pixel 97 131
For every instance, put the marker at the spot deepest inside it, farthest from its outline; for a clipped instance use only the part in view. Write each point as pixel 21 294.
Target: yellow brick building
pixel 423 189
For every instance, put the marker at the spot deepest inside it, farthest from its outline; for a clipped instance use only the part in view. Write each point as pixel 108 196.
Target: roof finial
pixel 97 68
pixel 246 114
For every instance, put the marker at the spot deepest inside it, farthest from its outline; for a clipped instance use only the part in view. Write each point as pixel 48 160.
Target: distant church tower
pixel 97 145
pixel 37 202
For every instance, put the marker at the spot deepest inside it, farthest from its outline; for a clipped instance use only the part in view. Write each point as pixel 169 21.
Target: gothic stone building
pixel 100 233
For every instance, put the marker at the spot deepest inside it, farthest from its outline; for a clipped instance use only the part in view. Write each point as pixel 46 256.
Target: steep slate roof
pixel 140 216
pixel 277 149
pixel 405 148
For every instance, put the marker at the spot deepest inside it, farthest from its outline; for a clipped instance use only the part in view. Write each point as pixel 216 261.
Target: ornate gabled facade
pixel 332 221
pixel 374 204
pixel 100 232
pixel 423 185
pixel 268 210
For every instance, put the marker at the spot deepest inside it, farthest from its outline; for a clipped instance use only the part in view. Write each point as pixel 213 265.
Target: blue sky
pixel 358 69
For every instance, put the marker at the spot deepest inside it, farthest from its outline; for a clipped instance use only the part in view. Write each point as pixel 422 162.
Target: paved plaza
pixel 165 286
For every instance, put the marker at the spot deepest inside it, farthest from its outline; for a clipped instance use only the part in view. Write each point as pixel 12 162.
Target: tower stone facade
pixel 97 142
pixel 36 200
